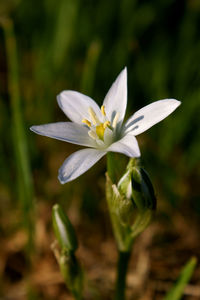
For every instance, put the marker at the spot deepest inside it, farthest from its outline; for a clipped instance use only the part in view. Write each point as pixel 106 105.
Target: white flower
pixel 101 129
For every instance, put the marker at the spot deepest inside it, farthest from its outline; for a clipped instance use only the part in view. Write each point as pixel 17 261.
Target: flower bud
pixel 142 190
pixel 137 199
pixel 131 204
pixel 64 230
pixel 135 184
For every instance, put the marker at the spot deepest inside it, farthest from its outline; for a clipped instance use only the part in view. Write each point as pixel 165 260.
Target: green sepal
pixel 64 230
pixel 142 190
pixel 136 185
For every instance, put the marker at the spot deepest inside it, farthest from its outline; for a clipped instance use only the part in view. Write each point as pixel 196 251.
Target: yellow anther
pixel 106 124
pixel 114 123
pixel 93 116
pixel 103 110
pixel 88 123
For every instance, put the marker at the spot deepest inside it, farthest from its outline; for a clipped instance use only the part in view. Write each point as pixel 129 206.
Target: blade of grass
pixel 24 179
pixel 177 290
pixel 64 31
pixel 90 67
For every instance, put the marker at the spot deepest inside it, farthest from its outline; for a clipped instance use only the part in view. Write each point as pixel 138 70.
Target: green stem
pixel 121 233
pixel 72 273
pixel 112 166
pixel 122 267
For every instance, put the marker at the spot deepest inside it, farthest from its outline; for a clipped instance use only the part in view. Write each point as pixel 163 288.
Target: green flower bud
pixel 64 230
pixel 143 197
pixel 136 185
pixel 136 200
pixel 142 189
pixel 131 203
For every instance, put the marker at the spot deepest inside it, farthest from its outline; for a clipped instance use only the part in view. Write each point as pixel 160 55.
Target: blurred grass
pixel 23 177
pixel 83 46
pixel 176 292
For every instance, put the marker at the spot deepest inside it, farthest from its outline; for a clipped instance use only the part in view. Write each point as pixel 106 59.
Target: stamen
pixel 103 110
pixel 106 124
pixel 85 121
pixel 93 116
pixel 114 123
pixel 92 134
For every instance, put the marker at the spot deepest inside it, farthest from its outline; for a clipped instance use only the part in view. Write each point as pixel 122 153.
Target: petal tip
pixel 178 102
pixel 61 180
pixel 33 128
pixel 58 97
pixel 175 103
pixel 61 177
pixel 124 71
pixel 37 129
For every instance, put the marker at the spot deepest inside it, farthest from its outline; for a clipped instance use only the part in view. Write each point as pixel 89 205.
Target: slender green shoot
pixel 177 290
pixel 22 163
pixel 90 65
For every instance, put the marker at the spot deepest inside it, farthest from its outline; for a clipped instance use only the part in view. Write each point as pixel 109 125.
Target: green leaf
pixel 177 290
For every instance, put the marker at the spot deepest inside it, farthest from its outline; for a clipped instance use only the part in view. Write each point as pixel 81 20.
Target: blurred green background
pixel 83 45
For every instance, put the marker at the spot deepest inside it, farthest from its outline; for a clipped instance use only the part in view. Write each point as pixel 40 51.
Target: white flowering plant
pixel 131 201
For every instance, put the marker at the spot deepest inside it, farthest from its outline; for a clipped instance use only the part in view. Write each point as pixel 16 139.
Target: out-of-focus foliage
pixel 83 45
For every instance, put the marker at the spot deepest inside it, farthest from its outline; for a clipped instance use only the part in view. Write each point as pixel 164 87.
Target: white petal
pixel 65 131
pixel 128 145
pixel 149 115
pixel 116 98
pixel 75 106
pixel 78 163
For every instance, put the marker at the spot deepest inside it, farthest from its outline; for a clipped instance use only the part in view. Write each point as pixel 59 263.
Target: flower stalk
pixel 122 268
pixel 131 203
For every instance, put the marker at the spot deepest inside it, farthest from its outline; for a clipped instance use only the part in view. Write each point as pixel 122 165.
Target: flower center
pixel 97 128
